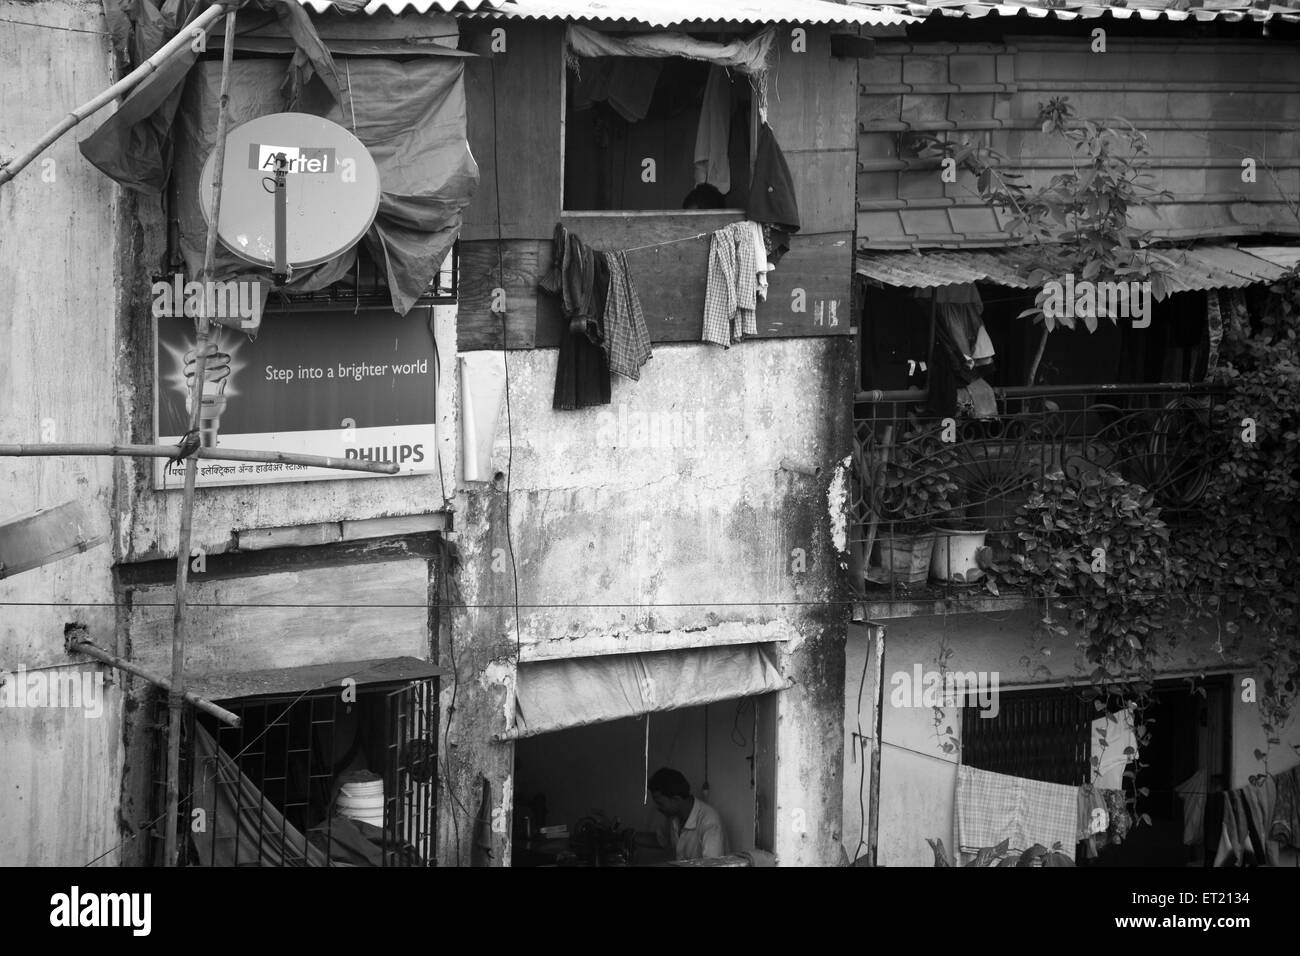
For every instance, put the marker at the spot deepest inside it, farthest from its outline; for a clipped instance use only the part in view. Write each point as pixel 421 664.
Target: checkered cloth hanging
pixel 992 807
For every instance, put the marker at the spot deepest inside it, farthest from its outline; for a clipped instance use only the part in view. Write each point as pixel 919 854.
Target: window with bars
pixel 312 779
pixel 1037 735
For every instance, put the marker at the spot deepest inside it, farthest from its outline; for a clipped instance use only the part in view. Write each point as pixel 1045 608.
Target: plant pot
pixel 955 554
pixel 905 558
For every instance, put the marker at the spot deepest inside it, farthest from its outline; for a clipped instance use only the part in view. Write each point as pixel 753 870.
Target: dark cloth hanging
pixel 580 276
pixel 771 196
pixel 948 372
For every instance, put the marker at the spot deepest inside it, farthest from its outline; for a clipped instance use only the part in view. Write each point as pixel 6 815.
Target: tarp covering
pixel 747 56
pixel 411 116
pixel 553 695
pixel 133 146
pixel 242 827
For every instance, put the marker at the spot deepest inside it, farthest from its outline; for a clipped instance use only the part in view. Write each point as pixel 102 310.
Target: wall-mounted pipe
pixel 84 646
pixel 812 471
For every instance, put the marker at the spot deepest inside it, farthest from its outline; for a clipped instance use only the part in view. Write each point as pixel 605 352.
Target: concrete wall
pixel 622 548
pixel 918 779
pixel 58 353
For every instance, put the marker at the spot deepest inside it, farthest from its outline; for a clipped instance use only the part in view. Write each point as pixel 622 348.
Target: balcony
pixel 934 501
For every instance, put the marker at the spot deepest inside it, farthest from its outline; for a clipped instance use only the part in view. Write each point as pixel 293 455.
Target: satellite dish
pixel 297 190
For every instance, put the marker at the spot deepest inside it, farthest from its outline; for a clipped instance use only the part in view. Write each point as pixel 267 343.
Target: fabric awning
pixel 555 695
pixel 1209 266
pixel 296 680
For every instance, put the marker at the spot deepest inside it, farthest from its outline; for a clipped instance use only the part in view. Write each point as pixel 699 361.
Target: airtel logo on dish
pixel 301 159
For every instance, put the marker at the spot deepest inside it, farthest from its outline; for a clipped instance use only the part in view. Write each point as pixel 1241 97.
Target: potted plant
pixel 957 544
pixel 1001 855
pixel 913 493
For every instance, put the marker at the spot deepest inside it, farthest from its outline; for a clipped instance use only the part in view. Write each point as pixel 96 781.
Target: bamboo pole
pixel 213 454
pixel 177 695
pixel 877 729
pixel 177 43
pixel 112 660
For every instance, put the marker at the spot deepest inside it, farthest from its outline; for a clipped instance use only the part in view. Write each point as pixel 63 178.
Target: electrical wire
pixel 50 26
pixel 858 601
pixel 505 361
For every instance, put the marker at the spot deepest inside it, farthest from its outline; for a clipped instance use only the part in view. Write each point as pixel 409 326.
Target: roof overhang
pixel 1209 266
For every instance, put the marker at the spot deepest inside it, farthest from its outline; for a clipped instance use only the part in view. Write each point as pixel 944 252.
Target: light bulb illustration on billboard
pixel 218 377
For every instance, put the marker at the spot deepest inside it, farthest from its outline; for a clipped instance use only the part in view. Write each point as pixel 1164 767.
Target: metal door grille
pixel 1044 735
pixel 283 749
pixel 412 760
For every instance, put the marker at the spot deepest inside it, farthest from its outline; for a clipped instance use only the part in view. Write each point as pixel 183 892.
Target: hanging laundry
pixel 627 341
pixel 772 197
pixel 1229 845
pixel 761 265
pixel 713 134
pixel 1094 820
pixel 983 401
pixel 731 295
pixel 627 84
pixel 961 310
pixel 1118 816
pixel 1214 323
pixel 1119 736
pixel 992 807
pixel 1285 828
pixel 580 277
pixel 1193 792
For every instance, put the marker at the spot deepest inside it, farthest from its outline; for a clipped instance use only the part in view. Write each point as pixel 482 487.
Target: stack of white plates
pixel 363 799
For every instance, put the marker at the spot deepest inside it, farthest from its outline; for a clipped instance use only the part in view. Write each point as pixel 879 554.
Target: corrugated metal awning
pixel 1230 11
pixel 296 680
pixel 372 7
pixel 666 13
pixel 1204 267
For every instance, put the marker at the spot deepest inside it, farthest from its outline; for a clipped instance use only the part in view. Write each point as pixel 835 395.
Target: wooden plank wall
pixel 812 110
pixel 1204 104
pixel 254 623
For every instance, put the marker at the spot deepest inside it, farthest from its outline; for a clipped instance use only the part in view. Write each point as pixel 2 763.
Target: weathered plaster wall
pixel 624 544
pixel 58 242
pixel 918 779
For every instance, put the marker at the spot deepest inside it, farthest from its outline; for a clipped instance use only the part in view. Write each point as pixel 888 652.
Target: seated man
pixel 694 830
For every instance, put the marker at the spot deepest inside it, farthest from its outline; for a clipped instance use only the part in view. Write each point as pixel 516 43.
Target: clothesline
pixel 667 242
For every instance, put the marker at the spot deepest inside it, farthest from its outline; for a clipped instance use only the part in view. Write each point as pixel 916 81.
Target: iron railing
pixel 959 481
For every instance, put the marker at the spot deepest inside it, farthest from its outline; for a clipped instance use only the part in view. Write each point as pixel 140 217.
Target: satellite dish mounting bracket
pixel 281 271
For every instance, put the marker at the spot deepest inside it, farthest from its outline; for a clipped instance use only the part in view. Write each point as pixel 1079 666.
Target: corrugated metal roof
pixel 1200 268
pixel 1231 11
pixel 372 7
pixel 666 13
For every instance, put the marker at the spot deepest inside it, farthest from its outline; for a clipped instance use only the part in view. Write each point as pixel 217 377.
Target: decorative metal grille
pixel 1153 435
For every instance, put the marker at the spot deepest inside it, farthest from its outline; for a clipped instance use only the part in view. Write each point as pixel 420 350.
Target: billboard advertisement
pixel 339 383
